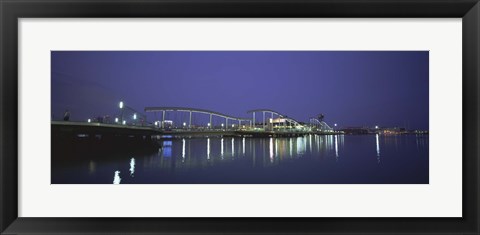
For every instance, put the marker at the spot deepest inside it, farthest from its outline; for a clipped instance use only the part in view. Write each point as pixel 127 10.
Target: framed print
pixel 239 117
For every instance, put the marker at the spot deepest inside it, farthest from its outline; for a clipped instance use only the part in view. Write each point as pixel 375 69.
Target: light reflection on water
pixel 336 147
pixel 132 166
pixel 243 145
pixel 221 151
pixel 208 148
pixel 378 148
pixel 183 149
pixel 116 178
pixel 304 159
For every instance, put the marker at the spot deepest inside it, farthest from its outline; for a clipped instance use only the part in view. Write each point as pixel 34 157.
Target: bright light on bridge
pixel 134 116
pixel 120 104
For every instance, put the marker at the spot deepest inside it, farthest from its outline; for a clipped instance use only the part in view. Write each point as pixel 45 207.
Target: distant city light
pixel 121 104
pixel 89 120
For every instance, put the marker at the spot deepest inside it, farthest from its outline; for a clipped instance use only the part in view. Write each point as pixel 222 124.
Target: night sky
pixel 351 88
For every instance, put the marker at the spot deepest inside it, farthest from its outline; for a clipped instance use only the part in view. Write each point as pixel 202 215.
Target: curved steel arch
pixel 266 110
pixel 322 123
pixel 194 110
pixel 277 113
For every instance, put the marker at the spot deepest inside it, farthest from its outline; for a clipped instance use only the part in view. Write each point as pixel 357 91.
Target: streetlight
pixel 335 124
pixel 184 124
pixel 233 125
pixel 134 116
pixel 89 120
pixel 116 120
pixel 376 127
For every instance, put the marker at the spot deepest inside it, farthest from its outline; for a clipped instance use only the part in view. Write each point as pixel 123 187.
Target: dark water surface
pixel 311 159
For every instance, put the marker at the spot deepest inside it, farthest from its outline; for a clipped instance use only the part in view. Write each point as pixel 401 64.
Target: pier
pixel 130 129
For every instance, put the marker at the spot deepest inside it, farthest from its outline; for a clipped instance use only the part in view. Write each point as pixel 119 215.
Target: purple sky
pixel 351 88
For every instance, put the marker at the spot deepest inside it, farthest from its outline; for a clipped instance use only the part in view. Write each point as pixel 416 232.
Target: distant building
pixel 394 131
pixel 355 130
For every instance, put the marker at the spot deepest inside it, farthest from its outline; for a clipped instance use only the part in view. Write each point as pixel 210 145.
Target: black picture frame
pixel 12 10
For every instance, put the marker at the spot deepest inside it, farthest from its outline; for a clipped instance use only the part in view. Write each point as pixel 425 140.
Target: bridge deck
pixel 75 128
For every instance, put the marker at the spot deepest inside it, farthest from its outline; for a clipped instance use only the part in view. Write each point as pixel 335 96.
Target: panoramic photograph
pixel 239 117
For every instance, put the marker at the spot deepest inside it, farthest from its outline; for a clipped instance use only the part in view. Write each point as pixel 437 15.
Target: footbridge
pixel 191 111
pixel 196 121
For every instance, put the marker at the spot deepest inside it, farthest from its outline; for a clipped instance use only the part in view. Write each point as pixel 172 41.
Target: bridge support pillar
pixel 253 123
pixel 272 122
pixel 210 120
pixel 190 123
pixel 163 119
pixel 263 120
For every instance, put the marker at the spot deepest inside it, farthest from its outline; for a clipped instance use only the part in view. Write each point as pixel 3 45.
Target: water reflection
pixel 256 158
pixel 291 147
pixel 183 150
pixel 221 148
pixel 300 145
pixel 132 166
pixel 378 149
pixel 276 148
pixel 243 145
pixel 272 151
pixel 310 145
pixel 208 148
pixel 422 141
pixel 270 147
pixel 167 148
pixel 91 167
pixel 116 178
pixel 336 146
